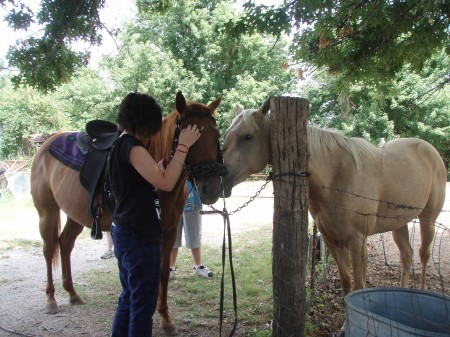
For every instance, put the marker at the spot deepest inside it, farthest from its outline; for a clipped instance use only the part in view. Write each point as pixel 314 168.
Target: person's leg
pixel 109 240
pixel 193 233
pixel 173 258
pixel 122 315
pixel 177 245
pixel 109 246
pixel 193 229
pixel 145 263
pixel 197 255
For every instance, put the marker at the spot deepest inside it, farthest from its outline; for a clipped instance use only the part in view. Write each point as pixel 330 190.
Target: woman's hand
pixel 189 135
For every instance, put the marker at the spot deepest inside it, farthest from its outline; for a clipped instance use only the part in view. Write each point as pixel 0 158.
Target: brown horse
pixel 56 187
pixel 386 188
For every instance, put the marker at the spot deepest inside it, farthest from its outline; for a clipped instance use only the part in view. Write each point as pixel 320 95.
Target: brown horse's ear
pixel 238 110
pixel 264 109
pixel 216 103
pixel 180 102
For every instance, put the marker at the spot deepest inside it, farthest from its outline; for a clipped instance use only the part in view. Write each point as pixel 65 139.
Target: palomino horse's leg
pixel 66 242
pixel 358 256
pixel 401 239
pixel 167 325
pixel 341 256
pixel 49 227
pixel 427 231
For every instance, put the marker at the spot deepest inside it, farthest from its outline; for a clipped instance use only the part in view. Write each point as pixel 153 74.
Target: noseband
pixel 204 168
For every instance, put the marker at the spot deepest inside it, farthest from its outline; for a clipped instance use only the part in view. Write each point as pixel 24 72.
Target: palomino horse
pixel 56 187
pixel 382 183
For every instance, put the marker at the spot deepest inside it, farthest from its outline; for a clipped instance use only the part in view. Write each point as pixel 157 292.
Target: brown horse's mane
pixel 160 144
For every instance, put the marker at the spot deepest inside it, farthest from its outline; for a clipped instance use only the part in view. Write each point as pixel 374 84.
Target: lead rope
pixel 226 227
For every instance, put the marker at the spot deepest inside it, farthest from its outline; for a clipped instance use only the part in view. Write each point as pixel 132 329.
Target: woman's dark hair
pixel 140 114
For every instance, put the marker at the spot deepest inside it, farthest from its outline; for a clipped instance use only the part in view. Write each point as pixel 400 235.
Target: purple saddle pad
pixel 64 148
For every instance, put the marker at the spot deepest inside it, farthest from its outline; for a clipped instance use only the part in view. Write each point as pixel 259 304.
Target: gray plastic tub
pixel 397 312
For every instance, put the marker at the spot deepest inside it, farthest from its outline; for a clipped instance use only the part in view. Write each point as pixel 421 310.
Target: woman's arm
pixel 148 168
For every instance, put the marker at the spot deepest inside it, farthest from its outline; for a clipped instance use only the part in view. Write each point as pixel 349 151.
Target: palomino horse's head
pixel 204 163
pixel 247 146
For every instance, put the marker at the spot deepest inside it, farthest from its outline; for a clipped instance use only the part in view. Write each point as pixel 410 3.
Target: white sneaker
pixel 173 274
pixel 202 271
pixel 107 254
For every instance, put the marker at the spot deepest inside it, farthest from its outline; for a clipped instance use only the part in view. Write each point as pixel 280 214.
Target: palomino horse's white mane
pixel 320 140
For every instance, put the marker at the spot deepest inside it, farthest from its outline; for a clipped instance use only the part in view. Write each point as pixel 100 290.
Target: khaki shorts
pixel 191 222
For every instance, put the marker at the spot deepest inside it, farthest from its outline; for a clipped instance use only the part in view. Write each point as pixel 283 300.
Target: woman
pixel 134 177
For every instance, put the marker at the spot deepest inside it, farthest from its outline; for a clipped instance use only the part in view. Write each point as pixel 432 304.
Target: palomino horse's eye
pixel 248 137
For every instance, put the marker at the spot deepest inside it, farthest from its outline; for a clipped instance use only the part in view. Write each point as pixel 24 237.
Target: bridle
pixel 204 168
pixel 208 168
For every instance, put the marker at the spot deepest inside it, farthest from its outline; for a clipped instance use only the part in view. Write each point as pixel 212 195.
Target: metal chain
pixel 215 210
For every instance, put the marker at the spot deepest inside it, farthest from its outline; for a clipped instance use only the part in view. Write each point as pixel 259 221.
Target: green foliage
pixel 417 106
pixel 182 49
pixel 24 112
pixel 87 97
pixel 359 40
pixel 47 61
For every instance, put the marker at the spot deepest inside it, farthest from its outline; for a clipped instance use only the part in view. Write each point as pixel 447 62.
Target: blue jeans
pixel 139 264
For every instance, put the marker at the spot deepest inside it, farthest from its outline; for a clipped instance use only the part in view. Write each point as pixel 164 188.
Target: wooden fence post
pixel 290 220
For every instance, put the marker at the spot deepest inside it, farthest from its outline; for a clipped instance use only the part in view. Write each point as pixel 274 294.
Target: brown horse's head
pixel 204 163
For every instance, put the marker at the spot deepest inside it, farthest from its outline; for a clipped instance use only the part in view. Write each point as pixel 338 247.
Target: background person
pixel 109 247
pixel 191 222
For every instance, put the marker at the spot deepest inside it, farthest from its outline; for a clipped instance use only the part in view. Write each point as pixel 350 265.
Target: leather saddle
pixel 96 143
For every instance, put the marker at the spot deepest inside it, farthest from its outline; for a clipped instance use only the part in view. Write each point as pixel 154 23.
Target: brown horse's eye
pixel 248 137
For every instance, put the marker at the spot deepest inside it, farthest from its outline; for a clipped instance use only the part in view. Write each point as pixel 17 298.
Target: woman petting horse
pixel 355 189
pixel 56 186
pixel 133 175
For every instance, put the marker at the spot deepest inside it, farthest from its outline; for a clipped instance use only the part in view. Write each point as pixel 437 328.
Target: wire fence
pixel 384 270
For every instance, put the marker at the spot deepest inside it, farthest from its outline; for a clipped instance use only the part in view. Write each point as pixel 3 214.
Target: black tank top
pixel 136 199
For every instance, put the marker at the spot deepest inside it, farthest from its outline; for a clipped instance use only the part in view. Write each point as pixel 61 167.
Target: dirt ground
pixel 23 279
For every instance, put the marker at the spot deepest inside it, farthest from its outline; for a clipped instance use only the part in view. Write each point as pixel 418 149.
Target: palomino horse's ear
pixel 216 103
pixel 264 109
pixel 180 102
pixel 238 110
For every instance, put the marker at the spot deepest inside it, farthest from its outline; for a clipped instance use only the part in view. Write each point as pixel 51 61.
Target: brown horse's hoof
pixel 169 330
pixel 77 300
pixel 51 308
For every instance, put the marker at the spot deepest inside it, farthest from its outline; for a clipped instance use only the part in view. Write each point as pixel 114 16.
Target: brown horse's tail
pixel 55 240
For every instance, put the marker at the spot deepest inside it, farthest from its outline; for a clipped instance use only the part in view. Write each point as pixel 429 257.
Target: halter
pixel 204 168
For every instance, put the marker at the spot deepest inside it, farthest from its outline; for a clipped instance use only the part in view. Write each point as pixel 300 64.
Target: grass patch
pixel 195 301
pixel 10 244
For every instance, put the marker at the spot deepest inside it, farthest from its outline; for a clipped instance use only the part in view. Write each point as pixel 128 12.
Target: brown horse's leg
pixel 167 325
pixel 401 239
pixel 66 242
pixel 49 227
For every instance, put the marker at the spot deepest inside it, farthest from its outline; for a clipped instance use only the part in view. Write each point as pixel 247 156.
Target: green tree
pixel 24 112
pixel 86 97
pixel 414 107
pixel 358 40
pixel 47 61
pixel 182 49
